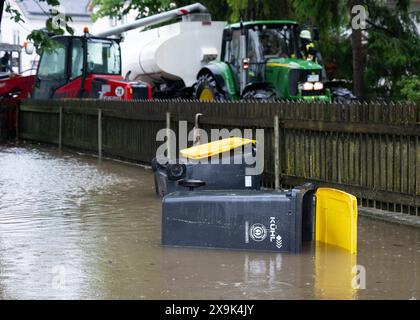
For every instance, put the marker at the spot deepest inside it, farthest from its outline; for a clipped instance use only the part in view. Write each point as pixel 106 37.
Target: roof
pixel 259 22
pixel 37 10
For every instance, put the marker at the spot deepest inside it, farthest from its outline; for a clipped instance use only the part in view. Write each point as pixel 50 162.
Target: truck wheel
pixel 260 94
pixel 206 89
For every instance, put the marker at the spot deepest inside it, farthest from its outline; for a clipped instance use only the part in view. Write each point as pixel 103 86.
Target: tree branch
pixel 381 28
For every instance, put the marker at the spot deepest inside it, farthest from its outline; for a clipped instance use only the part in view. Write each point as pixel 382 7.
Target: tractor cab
pixel 84 67
pixel 266 60
pixel 263 42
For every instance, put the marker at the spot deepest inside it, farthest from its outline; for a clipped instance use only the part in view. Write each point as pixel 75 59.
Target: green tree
pixel 393 46
pixel 219 9
pixel 228 10
pixel 410 88
pixel 259 9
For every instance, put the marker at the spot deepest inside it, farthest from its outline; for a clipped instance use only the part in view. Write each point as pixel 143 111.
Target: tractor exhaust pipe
pixel 242 56
pixel 155 19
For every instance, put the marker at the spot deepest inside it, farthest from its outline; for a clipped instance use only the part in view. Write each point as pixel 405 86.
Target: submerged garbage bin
pixel 240 219
pixel 228 173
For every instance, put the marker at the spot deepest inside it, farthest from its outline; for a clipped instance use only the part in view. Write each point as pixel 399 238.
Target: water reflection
pixel 334 277
pixel 255 269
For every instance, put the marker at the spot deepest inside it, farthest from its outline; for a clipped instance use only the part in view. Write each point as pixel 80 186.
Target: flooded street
pixel 72 227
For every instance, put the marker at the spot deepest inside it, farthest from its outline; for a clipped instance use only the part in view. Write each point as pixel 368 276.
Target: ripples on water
pixel 73 227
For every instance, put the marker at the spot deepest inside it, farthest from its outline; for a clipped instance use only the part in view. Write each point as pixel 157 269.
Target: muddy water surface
pixel 72 227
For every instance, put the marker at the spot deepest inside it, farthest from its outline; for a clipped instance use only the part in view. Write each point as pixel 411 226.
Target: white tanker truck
pixel 212 60
pixel 170 57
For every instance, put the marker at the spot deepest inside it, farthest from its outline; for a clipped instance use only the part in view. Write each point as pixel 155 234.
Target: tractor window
pixel 234 49
pixel 53 64
pixel 234 59
pixel 257 63
pixel 103 57
pixel 273 41
pixel 254 50
pixel 76 58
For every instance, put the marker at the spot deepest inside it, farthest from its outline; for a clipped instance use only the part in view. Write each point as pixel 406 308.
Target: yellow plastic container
pixel 336 218
pixel 214 148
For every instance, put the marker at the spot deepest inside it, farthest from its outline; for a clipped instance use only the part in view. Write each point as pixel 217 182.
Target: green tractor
pixel 262 60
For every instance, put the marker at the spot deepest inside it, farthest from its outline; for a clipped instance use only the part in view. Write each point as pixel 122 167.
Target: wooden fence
pixel 371 150
pixel 7 119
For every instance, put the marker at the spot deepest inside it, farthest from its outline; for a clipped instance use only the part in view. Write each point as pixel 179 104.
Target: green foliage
pixel 117 8
pixel 15 14
pixel 42 41
pixel 337 54
pixel 258 9
pixel 219 9
pixel 393 46
pixel 410 88
pixel 327 15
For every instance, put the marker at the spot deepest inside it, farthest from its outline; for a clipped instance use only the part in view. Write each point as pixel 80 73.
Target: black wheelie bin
pixel 221 165
pixel 239 219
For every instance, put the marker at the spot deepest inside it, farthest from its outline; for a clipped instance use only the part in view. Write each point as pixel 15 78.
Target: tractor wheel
pixel 260 95
pixel 206 89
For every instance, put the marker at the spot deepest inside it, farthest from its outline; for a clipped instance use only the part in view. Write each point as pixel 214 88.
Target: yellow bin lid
pixel 207 150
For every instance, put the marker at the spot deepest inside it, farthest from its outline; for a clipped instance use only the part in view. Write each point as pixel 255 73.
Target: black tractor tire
pixel 259 95
pixel 206 89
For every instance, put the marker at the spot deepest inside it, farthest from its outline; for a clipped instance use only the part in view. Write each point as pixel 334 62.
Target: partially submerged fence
pixel 370 150
pixel 7 119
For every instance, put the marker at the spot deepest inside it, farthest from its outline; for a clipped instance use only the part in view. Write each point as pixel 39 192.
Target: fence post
pixel 276 153
pixel 100 134
pixel 60 130
pixel 168 133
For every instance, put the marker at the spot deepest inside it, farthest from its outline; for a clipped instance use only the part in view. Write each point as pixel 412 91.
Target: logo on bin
pixel 258 232
pixel 279 241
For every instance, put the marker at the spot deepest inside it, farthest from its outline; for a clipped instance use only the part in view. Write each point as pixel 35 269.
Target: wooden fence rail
pixel 371 150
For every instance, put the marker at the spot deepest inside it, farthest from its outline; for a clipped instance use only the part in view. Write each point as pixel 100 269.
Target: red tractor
pixel 85 67
pixel 78 67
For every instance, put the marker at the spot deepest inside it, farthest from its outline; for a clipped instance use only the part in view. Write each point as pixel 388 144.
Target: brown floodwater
pixel 72 227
